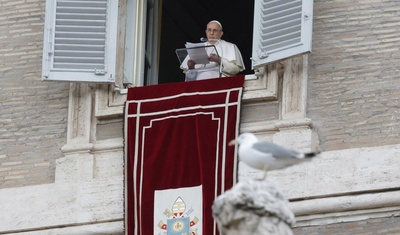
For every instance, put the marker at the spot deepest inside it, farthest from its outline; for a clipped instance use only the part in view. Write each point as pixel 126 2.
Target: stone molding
pixel 321 211
pixel 70 206
pixel 339 186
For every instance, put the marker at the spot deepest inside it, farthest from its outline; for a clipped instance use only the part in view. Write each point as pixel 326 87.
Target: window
pixel 141 42
pixel 80 41
pixel 80 37
pixel 281 29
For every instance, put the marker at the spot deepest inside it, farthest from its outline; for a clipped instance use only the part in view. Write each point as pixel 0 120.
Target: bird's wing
pixel 276 150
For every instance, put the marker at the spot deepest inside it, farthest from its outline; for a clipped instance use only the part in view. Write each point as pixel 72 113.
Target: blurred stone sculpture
pixel 253 208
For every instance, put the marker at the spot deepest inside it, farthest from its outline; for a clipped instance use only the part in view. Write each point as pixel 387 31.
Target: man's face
pixel 213 31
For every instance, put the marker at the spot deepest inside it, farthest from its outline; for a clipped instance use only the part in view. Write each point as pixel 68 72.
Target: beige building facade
pixel 61 143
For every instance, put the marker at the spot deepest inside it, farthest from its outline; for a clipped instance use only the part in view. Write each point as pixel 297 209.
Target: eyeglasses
pixel 213 30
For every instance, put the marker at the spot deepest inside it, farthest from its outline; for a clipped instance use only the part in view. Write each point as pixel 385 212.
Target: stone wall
pixel 354 80
pixel 33 114
pixel 384 226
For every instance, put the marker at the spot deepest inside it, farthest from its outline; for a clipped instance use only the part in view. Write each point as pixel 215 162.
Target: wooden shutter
pixel 282 28
pixel 80 40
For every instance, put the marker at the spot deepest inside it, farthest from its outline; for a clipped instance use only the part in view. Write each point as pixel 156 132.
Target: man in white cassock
pixel 227 60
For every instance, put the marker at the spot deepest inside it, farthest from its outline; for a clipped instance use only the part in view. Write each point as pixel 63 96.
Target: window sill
pixel 110 102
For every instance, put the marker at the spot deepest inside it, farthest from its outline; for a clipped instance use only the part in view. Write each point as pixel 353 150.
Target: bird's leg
pixel 265 173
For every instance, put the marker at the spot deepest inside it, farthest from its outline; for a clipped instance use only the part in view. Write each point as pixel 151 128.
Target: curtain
pixel 177 158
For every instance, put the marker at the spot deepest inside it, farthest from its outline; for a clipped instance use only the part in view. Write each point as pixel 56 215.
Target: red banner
pixel 177 154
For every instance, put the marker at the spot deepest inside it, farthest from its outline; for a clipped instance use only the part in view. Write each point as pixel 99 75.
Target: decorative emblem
pixel 178 222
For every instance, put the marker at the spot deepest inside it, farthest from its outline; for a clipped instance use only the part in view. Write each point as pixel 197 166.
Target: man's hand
pixel 191 64
pixel 215 58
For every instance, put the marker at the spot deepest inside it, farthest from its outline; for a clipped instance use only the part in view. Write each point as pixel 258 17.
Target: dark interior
pixel 185 21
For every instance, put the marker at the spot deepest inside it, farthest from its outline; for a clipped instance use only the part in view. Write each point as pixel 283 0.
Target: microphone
pixel 203 39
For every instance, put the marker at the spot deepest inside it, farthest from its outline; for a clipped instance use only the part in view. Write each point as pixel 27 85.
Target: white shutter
pixel 80 40
pixel 282 28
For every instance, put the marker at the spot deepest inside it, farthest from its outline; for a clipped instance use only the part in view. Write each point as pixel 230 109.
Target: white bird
pixel 267 156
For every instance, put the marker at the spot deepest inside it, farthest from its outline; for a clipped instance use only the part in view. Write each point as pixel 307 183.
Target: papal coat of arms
pixel 179 221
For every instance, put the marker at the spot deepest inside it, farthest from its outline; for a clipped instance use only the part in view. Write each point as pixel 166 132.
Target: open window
pixel 141 42
pixel 185 21
pixel 80 36
pixel 80 41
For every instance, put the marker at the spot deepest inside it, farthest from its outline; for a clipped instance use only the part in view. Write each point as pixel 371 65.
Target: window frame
pixel 142 35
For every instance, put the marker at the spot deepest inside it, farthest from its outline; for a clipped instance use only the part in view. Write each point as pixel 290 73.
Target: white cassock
pixel 231 62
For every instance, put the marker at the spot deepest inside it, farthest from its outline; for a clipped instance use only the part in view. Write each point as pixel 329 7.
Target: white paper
pixel 198 55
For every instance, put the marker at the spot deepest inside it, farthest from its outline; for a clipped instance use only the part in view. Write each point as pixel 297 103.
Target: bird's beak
pixel 232 142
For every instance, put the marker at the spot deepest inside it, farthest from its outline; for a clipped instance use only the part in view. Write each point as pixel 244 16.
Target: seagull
pixel 265 156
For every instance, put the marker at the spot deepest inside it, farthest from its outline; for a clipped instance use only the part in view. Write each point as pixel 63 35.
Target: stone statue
pixel 253 208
